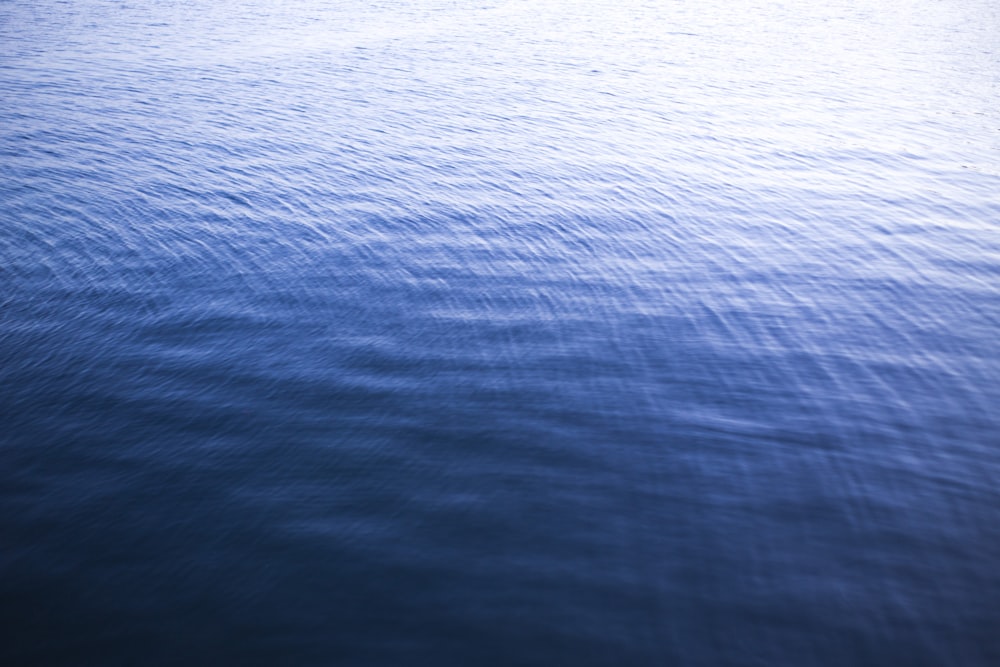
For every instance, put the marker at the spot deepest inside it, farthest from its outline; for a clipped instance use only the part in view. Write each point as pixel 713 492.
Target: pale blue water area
pixel 584 332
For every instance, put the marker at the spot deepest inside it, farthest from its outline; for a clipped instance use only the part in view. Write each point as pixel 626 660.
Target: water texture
pixel 604 332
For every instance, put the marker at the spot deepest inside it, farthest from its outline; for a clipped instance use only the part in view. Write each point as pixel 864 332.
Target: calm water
pixel 585 332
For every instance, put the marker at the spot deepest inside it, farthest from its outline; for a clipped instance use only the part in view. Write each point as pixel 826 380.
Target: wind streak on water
pixel 446 333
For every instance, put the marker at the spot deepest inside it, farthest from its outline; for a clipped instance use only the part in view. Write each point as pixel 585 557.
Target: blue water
pixel 425 332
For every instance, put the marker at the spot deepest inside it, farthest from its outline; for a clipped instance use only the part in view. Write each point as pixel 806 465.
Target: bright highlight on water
pixel 584 332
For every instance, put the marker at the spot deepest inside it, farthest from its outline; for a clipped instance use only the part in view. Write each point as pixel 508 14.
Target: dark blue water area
pixel 500 333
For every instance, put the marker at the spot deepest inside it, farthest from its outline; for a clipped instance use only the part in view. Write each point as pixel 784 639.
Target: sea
pixel 500 333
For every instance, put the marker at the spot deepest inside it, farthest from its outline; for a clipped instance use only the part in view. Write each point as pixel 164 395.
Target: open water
pixel 500 332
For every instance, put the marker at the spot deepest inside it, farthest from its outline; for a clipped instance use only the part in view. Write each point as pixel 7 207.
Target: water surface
pixel 514 333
